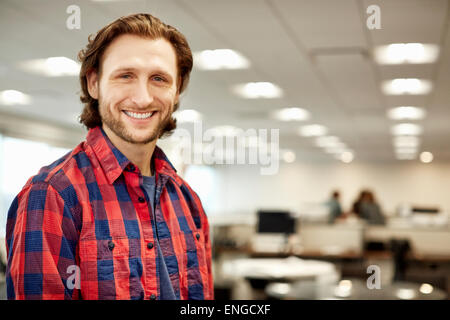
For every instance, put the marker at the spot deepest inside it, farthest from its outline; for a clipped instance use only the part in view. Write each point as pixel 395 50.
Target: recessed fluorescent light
pixel 291 114
pixel 402 53
pixel 188 115
pixel 288 156
pixel 52 67
pixel 256 90
pixel 409 150
pixel 347 157
pixel 329 142
pixel 220 59
pixel 426 157
pixel 406 156
pixel 406 86
pixel 12 97
pixel 406 142
pixel 406 113
pixel 313 130
pixel 405 129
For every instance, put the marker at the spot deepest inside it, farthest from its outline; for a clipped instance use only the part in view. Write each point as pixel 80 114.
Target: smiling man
pixel 112 219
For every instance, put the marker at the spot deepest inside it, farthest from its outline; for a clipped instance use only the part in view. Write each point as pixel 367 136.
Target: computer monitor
pixel 432 210
pixel 273 221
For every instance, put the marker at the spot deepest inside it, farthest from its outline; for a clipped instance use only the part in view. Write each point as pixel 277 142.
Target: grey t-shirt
pixel 167 292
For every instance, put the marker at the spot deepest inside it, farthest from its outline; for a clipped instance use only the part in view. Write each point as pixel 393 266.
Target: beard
pixel 118 127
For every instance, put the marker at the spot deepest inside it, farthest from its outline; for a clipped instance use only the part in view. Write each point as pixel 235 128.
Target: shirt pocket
pixel 107 249
pixel 104 264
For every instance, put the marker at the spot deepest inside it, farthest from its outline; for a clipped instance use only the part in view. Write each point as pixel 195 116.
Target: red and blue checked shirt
pixel 88 215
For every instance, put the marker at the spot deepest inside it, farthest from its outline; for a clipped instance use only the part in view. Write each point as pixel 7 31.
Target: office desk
pixel 290 269
pixel 425 241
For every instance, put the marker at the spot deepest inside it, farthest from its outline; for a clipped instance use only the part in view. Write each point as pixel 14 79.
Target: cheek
pixel 114 98
pixel 169 99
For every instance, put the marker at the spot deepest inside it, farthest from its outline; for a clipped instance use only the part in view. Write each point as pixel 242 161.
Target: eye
pixel 159 79
pixel 125 76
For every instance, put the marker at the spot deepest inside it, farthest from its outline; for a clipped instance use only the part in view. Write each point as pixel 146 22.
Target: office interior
pixel 333 96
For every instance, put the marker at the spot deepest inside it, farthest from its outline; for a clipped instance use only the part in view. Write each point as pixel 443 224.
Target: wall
pixel 244 190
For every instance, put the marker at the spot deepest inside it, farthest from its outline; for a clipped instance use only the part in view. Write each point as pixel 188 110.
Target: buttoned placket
pixel 153 212
pixel 148 236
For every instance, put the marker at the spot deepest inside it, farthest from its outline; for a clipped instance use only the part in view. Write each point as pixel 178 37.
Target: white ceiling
pixel 317 51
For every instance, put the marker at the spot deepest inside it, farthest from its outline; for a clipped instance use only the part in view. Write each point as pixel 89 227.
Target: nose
pixel 142 96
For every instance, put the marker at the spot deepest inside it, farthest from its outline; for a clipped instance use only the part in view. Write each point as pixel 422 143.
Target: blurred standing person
pixel 334 206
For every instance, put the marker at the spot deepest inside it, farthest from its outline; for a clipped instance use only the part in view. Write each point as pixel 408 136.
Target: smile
pixel 137 115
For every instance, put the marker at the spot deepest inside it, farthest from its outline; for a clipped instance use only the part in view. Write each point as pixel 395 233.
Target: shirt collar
pixel 113 162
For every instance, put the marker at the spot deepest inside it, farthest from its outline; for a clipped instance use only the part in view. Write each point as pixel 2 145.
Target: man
pixel 334 207
pixel 112 219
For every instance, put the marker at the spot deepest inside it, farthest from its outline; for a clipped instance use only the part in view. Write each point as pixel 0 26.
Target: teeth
pixel 138 115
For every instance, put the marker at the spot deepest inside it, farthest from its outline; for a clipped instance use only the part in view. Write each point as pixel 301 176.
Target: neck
pixel 139 154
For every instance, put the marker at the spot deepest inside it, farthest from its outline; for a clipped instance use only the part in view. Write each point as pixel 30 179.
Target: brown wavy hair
pixel 144 25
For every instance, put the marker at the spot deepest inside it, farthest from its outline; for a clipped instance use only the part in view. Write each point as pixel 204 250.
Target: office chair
pixel 399 249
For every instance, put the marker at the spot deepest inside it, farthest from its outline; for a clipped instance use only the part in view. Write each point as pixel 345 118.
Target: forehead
pixel 143 53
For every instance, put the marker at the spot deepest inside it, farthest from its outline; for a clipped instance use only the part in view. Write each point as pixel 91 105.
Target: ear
pixel 92 83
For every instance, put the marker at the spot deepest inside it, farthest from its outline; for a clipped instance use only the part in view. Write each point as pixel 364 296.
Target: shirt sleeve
pixel 41 241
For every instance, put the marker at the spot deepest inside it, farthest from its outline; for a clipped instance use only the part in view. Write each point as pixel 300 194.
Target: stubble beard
pixel 118 127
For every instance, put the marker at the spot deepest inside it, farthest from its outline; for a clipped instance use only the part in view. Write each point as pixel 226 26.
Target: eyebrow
pixel 133 69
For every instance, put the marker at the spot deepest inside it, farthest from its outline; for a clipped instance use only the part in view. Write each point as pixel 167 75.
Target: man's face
pixel 137 88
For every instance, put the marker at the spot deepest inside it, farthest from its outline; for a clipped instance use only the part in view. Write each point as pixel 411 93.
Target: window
pixel 19 160
pixel 203 180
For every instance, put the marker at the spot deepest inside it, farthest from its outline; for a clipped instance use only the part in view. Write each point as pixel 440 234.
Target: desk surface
pixel 292 268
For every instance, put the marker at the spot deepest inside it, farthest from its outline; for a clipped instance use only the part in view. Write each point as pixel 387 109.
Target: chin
pixel 143 139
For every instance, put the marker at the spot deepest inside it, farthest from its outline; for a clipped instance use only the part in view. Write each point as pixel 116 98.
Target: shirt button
pixel 141 199
pixel 153 297
pixel 150 245
pixel 111 245
pixel 197 236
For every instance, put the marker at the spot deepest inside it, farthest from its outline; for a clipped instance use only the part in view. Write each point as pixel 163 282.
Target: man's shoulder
pixel 56 173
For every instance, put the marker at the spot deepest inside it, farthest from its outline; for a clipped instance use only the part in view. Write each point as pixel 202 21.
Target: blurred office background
pixel 359 91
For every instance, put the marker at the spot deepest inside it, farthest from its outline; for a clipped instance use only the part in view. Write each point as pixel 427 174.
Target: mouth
pixel 139 115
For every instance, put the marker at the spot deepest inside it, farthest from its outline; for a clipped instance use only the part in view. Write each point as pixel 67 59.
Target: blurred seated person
pixel 334 206
pixel 366 208
pixel 357 204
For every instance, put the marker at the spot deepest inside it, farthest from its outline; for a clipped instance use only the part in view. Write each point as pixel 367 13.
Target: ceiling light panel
pixel 406 86
pixel 291 114
pixel 406 142
pixel 14 97
pixel 220 59
pixel 313 130
pixel 406 113
pixel 406 53
pixel 188 115
pixel 406 129
pixel 258 90
pixel 52 67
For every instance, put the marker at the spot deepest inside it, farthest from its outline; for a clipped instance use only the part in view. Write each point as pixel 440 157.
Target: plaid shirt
pixel 87 215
